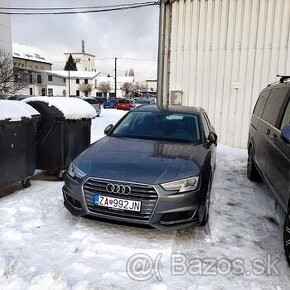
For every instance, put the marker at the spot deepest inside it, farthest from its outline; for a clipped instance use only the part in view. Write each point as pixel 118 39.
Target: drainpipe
pixel 161 49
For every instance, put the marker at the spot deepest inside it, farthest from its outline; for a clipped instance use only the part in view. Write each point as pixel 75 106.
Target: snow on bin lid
pixel 15 110
pixel 72 108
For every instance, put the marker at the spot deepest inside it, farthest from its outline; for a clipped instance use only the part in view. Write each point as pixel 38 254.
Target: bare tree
pixel 86 88
pixel 139 87
pixel 127 88
pixel 104 88
pixel 12 79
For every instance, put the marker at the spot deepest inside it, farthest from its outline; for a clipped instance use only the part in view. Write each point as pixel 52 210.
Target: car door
pixel 257 130
pixel 207 129
pixel 276 157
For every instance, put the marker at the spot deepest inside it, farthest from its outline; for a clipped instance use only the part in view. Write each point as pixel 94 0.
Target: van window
pixel 261 103
pixel 274 105
pixel 286 118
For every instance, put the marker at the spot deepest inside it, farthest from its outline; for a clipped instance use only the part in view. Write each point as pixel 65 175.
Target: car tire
pixel 252 172
pixel 26 183
pixel 205 217
pixel 286 237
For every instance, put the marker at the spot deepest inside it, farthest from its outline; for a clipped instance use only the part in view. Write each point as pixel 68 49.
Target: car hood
pixel 142 161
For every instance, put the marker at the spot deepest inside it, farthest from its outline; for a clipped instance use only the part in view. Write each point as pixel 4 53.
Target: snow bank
pixel 72 108
pixel 15 110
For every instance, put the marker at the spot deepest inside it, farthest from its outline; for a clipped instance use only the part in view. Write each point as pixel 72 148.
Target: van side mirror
pixel 108 129
pixel 212 138
pixel 285 134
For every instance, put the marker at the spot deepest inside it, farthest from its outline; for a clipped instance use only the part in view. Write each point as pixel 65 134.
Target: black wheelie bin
pixel 18 123
pixel 63 132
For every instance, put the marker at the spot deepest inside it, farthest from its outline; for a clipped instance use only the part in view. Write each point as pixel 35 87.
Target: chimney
pixel 83 46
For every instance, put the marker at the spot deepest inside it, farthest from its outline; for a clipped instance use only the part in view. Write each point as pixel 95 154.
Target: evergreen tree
pixel 70 64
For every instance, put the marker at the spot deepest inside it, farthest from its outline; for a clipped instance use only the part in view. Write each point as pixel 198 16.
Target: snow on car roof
pixel 71 108
pixel 15 110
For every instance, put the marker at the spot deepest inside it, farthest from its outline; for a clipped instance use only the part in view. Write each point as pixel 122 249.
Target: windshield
pixel 159 126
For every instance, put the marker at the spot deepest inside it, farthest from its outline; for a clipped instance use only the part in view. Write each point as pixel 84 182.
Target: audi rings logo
pixel 118 188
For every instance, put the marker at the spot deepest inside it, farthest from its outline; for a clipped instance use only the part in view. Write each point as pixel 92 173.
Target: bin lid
pixel 71 108
pixel 15 110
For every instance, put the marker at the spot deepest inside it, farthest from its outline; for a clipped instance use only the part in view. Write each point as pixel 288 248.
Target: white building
pixel 28 57
pixel 5 28
pixel 220 54
pixel 74 79
pixel 111 81
pixel 84 61
pixel 45 83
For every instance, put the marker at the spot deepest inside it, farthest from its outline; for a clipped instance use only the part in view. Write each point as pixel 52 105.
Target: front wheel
pixel 26 183
pixel 204 219
pixel 286 236
pixel 252 172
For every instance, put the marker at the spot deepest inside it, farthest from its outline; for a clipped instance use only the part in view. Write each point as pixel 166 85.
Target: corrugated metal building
pixel 220 54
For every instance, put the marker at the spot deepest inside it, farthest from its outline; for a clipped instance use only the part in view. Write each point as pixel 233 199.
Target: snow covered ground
pixel 42 246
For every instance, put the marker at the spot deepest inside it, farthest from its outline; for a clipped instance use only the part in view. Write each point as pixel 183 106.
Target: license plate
pixel 117 203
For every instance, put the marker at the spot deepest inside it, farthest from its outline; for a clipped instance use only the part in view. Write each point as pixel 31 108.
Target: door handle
pixel 274 137
pixel 267 131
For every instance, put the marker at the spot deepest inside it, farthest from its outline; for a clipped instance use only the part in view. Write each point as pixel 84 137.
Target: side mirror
pixel 212 138
pixel 108 129
pixel 285 134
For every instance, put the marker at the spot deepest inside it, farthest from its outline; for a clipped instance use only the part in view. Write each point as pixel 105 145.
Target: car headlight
pixel 73 172
pixel 182 185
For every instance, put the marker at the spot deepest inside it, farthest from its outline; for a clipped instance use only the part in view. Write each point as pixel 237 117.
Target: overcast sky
pixel 125 34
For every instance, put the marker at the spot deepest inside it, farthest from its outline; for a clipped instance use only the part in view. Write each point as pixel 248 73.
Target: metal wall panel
pixel 222 53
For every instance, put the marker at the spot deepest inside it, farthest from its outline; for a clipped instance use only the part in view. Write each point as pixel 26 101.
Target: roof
pixel 169 109
pixel 105 79
pixel 67 53
pixel 74 74
pixel 71 108
pixel 28 52
pixel 15 110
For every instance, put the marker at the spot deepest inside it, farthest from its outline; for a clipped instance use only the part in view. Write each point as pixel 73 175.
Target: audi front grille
pixel 139 192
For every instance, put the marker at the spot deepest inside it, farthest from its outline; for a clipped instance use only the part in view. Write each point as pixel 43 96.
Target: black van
pixel 269 146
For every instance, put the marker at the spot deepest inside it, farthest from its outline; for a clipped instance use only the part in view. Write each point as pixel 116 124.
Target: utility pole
pixel 115 77
pixel 69 83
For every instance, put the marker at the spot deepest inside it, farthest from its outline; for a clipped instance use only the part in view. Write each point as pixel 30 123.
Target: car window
pixel 259 108
pixel 274 105
pixel 159 126
pixel 286 117
pixel 123 101
pixel 91 101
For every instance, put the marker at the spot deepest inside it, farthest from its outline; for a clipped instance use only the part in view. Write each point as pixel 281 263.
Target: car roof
pixel 169 109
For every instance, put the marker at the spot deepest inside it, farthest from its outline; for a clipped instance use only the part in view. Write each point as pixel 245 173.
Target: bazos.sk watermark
pixel 143 267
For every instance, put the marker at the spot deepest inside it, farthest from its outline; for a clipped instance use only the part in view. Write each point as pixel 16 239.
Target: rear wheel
pixel 286 238
pixel 252 171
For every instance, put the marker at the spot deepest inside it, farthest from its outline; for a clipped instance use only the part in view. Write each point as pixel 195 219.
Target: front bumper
pixel 161 209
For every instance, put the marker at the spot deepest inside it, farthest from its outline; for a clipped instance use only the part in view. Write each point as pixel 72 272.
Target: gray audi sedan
pixel 154 167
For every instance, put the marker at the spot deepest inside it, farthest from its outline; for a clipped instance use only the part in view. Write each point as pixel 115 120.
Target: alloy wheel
pixel 287 237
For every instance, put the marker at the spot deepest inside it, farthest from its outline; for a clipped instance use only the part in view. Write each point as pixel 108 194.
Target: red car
pixel 125 105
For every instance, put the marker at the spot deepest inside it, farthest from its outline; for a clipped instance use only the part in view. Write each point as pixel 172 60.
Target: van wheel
pixel 286 237
pixel 252 171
